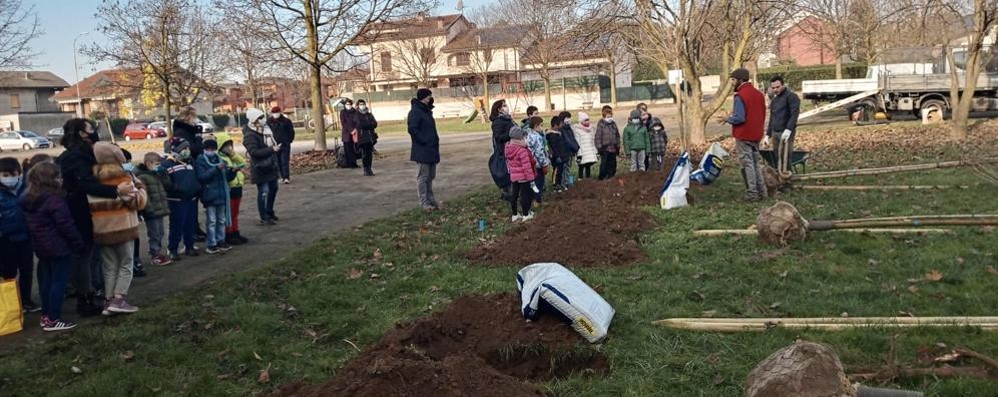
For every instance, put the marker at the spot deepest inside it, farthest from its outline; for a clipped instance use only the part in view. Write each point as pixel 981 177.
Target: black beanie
pixel 211 144
pixel 422 93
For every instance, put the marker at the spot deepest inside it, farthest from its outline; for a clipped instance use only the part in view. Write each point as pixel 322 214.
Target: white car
pixel 22 140
pixel 207 128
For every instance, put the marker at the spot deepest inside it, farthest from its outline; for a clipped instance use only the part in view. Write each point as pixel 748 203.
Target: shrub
pixel 793 76
pixel 241 119
pixel 220 120
pixel 118 126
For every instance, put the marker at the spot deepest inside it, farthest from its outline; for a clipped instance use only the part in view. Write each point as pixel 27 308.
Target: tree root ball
pixel 803 369
pixel 781 224
pixel 772 179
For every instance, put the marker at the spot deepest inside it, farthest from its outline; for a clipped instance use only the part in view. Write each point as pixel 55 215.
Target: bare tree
pixel 415 58
pixel 316 31
pixel 172 42
pixel 242 46
pixel 610 39
pixel 18 26
pixel 983 21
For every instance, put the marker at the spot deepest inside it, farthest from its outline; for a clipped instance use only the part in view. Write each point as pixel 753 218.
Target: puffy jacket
pixel 500 130
pixel 116 221
pixel 423 131
pixel 636 137
pixel 348 120
pixel 156 182
pixel 214 180
pixel 559 153
pixel 519 161
pixel 571 142
pixel 659 140
pixel 259 151
pixel 192 133
pixel 13 226
pixel 366 126
pixel 587 143
pixel 53 231
pixel 607 137
pixel 235 162
pixel 535 142
pixel 184 184
pixel 284 130
pixel 76 165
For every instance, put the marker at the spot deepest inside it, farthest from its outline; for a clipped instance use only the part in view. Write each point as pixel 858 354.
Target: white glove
pixel 786 135
pixel 765 140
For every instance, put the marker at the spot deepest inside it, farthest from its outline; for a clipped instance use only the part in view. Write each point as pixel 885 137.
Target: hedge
pixel 118 126
pixel 793 76
pixel 220 120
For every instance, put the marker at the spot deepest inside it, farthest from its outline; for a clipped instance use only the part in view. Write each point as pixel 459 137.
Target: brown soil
pixel 477 346
pixel 605 215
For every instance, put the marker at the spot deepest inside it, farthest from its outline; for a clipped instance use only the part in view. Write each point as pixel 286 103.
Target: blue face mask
pixel 11 182
pixel 128 167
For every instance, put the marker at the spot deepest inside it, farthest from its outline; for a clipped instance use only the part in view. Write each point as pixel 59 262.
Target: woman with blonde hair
pixel 186 126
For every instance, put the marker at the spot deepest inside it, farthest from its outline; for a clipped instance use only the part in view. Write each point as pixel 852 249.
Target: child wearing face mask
pixel 659 142
pixel 15 247
pixel 137 269
pixel 535 142
pixel 157 207
pixel 237 164
pixel 607 142
pixel 585 132
pixel 181 195
pixel 214 175
pixel 559 153
pixel 636 141
pixel 116 226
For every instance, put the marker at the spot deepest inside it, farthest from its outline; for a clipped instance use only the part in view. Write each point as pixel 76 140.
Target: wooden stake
pixel 754 232
pixel 902 221
pixel 880 187
pixel 825 324
pixel 885 170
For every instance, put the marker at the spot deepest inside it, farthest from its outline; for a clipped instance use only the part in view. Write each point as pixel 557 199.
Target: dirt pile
pixel 477 346
pixel 595 223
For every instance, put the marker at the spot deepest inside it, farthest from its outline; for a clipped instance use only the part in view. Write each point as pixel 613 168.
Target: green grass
pixel 296 315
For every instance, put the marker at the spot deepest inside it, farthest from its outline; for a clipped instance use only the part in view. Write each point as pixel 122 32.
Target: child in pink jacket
pixel 522 172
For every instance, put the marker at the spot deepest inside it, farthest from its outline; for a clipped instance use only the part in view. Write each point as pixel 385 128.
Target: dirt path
pixel 313 206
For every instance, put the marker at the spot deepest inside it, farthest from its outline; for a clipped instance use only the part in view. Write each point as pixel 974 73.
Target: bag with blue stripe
pixel 551 288
pixel 710 165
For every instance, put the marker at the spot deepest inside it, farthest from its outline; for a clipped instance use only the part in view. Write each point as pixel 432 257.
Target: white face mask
pixel 362 108
pixel 567 121
pixel 11 182
pixel 128 167
pixel 348 106
pixel 608 119
pixel 635 121
pixel 657 129
pixel 275 115
pixel 505 109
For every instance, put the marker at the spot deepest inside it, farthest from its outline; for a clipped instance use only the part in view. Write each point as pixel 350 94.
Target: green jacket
pixel 636 137
pixel 234 162
pixel 156 185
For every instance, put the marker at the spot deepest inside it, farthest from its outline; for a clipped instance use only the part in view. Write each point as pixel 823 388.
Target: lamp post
pixel 76 70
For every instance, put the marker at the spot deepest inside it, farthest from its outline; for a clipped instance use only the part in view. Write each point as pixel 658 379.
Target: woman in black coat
pixel 367 137
pixel 186 126
pixel 78 180
pixel 502 122
pixel 262 153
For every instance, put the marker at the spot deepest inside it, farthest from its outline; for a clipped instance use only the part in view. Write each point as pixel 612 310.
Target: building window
pixel 386 62
pixel 427 56
pixel 462 59
pixel 15 101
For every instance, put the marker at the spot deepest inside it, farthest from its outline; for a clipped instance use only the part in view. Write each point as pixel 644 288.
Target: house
pixel 114 92
pixel 287 93
pixel 26 101
pixel 801 42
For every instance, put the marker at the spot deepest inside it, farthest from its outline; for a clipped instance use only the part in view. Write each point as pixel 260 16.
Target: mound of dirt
pixel 595 223
pixel 477 346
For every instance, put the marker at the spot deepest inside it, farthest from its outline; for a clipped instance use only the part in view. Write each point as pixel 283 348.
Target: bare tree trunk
pixel 838 66
pixel 613 84
pixel 485 91
pixel 166 109
pixel 699 117
pixel 961 109
pixel 547 93
pixel 315 81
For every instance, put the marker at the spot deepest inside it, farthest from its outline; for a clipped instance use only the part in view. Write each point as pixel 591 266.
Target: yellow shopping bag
pixel 11 314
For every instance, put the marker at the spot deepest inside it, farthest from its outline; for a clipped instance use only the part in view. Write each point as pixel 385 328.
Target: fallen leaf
pixel 906 314
pixel 718 379
pixel 377 253
pixel 844 314
pixel 128 356
pixel 913 289
pixel 934 275
pixel 959 260
pixel 295 354
pixel 257 357
pixel 375 275
pixel 434 288
pixel 992 270
pixel 223 376
pixel 264 376
pixel 708 313
pixel 872 262
pixel 948 358
pixel 354 274
pixel 988 229
pixel 784 274
pixel 775 305
pixel 224 352
pixel 76 370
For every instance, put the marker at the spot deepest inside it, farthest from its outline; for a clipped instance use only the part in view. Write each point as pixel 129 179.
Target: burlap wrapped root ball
pixel 781 224
pixel 803 369
pixel 772 179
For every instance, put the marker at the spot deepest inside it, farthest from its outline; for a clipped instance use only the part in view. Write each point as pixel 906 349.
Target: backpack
pixel 341 157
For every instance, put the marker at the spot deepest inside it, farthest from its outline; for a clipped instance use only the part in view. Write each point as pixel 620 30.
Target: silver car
pixel 207 128
pixel 22 140
pixel 55 135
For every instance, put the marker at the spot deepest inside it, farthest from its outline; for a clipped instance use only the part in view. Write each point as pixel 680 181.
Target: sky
pixel 63 20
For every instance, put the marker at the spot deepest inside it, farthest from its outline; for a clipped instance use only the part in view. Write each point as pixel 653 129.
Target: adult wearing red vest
pixel 748 122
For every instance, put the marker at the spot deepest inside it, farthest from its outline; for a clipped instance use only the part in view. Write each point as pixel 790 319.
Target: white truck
pixel 901 88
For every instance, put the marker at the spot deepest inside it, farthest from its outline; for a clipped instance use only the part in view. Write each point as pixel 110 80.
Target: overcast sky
pixel 63 20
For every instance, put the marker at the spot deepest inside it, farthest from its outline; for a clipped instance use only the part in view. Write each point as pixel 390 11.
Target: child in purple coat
pixel 55 240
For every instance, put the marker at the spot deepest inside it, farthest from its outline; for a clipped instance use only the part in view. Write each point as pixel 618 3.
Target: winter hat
pixel 422 93
pixel 635 114
pixel 108 153
pixel 583 116
pixel 516 133
pixel 741 74
pixel 275 109
pixel 254 114
pixel 210 144
pixel 178 145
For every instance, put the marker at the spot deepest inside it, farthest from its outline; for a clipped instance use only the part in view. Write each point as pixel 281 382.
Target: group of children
pixel 528 161
pixel 36 221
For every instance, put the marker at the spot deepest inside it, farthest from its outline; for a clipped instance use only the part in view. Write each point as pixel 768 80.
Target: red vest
pixel 755 114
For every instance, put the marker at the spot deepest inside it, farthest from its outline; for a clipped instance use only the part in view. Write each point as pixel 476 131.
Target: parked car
pixel 142 131
pixel 158 125
pixel 22 140
pixel 55 135
pixel 206 128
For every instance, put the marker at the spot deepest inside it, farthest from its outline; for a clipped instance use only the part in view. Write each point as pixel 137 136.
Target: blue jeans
pixel 215 224
pixel 53 275
pixel 183 222
pixel 266 193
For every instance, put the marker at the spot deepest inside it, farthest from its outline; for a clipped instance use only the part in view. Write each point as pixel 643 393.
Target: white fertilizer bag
pixel 710 165
pixel 557 290
pixel 674 193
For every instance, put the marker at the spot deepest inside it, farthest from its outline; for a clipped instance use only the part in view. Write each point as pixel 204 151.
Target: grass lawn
pixel 297 318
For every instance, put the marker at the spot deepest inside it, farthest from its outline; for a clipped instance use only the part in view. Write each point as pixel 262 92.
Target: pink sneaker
pixel 119 305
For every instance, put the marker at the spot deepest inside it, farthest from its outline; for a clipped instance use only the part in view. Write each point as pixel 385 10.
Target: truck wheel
pixel 938 107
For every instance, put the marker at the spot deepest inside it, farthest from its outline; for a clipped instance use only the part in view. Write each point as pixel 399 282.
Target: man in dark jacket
pixel 784 110
pixel 284 133
pixel 748 121
pixel 425 146
pixel 348 120
pixel 263 165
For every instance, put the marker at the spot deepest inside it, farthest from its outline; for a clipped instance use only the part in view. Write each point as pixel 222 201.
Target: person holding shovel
pixel 748 122
pixel 784 110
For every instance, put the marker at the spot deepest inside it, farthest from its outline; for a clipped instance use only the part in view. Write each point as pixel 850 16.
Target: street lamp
pixel 76 70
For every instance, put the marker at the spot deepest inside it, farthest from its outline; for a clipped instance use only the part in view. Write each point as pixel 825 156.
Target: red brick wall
pixel 800 45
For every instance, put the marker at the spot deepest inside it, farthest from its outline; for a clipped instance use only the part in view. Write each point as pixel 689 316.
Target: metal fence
pixel 638 92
